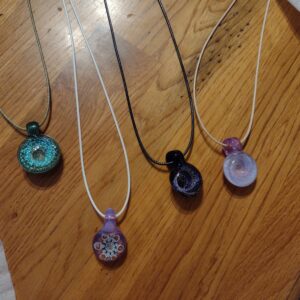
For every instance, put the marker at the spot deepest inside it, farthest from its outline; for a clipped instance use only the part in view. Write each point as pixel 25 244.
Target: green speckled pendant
pixel 38 153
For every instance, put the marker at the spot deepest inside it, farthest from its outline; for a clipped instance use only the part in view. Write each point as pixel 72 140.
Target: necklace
pixel 184 177
pixel 239 168
pixel 38 153
pixel 109 244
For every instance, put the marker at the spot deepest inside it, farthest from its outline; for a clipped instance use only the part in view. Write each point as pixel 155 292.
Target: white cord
pixel 123 209
pixel 201 123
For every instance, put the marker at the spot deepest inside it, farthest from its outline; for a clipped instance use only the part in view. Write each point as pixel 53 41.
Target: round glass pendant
pixel 185 179
pixel 240 169
pixel 38 153
pixel 109 243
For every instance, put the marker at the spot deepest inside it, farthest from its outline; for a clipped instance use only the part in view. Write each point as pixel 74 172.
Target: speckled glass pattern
pixel 39 154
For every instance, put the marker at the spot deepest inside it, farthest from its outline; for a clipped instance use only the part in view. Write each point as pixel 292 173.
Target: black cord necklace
pixel 184 177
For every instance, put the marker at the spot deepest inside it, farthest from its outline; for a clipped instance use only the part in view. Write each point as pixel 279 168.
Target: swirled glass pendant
pixel 38 153
pixel 185 179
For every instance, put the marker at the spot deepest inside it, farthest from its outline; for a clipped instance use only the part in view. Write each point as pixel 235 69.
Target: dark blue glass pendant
pixel 38 153
pixel 184 177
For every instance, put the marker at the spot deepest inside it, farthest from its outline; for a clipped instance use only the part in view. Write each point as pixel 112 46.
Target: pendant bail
pixel 232 145
pixel 33 128
pixel 175 159
pixel 110 220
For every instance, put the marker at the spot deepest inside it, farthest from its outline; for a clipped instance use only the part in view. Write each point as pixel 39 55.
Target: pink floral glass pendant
pixel 109 243
pixel 240 169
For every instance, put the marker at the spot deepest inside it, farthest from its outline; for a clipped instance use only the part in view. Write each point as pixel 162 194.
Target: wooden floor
pixel 228 244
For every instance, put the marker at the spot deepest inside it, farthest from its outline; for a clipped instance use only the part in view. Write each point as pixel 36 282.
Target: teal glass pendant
pixel 39 153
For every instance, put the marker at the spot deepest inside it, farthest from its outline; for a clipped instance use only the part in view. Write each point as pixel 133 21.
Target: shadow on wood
pixel 43 181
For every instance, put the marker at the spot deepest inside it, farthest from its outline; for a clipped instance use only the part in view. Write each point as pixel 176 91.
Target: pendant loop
pixel 174 159
pixel 33 128
pixel 232 145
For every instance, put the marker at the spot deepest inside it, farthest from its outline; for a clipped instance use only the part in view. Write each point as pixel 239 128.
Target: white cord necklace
pixel 109 244
pixel 240 169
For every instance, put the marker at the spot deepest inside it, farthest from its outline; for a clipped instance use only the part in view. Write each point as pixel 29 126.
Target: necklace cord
pixel 115 45
pixel 126 202
pixel 259 55
pixel 45 119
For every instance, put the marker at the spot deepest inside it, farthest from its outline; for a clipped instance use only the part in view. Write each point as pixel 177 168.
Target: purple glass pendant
pixel 184 177
pixel 109 243
pixel 240 169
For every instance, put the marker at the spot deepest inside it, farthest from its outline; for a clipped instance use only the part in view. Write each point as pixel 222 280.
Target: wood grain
pixel 227 245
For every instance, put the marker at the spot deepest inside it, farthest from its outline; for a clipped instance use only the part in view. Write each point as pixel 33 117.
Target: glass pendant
pixel 109 243
pixel 185 179
pixel 240 169
pixel 38 153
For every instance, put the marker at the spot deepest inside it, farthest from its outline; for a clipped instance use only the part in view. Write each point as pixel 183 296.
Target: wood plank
pixel 227 245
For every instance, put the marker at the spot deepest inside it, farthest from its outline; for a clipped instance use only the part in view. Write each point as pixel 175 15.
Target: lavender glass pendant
pixel 240 169
pixel 185 179
pixel 109 243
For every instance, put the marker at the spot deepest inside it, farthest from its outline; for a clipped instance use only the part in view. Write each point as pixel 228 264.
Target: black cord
pixel 191 140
